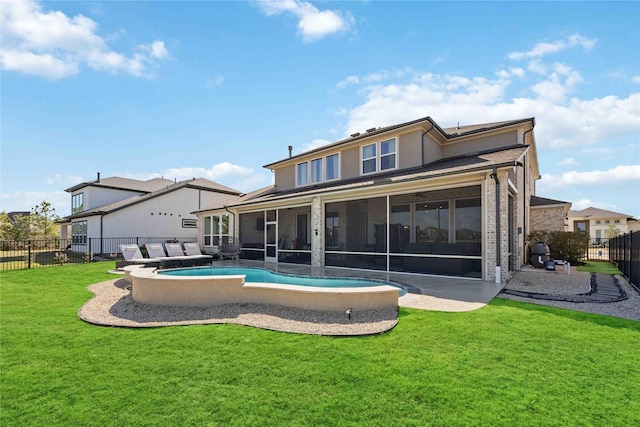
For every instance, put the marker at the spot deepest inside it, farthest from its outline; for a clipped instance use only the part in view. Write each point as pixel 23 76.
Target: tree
pixel 611 232
pixel 44 221
pixel 17 227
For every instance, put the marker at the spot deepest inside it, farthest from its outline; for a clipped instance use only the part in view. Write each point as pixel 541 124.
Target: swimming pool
pixel 205 287
pixel 261 275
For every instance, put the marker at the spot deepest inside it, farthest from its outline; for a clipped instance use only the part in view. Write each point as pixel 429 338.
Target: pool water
pixel 262 275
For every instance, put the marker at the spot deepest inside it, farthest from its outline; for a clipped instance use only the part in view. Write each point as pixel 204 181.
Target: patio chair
pixel 132 255
pixel 175 251
pixel 230 248
pixel 155 250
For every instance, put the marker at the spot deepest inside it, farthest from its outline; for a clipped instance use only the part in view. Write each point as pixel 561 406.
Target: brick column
pixel 317 233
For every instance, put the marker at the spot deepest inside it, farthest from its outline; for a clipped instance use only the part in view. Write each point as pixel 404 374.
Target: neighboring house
pixel 120 207
pixel 596 222
pixel 548 214
pixel 457 201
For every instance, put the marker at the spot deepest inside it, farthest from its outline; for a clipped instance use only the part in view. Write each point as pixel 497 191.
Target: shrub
pixel 563 245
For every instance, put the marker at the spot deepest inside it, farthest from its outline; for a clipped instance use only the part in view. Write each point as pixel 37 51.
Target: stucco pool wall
pixel 148 287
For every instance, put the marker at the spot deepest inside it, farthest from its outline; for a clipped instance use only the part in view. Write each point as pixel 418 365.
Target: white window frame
pixel 310 168
pixel 379 156
pixel 306 179
pixel 326 164
pixel 209 238
pixel 299 175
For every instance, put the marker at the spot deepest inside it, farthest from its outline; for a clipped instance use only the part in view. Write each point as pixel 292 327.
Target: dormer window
pixel 378 157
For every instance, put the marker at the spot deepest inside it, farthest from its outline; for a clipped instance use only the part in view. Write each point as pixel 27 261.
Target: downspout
pixel 101 234
pixel 494 175
pixel 422 145
pixel 524 200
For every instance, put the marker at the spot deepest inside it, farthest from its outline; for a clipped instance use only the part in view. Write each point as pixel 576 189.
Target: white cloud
pixel 626 174
pixel 313 24
pixel 231 175
pixel 635 79
pixel 211 83
pixel 53 45
pixel 64 179
pixel 546 48
pixel 316 143
pixel 562 118
pixel 569 161
pixel 25 201
pixel 588 203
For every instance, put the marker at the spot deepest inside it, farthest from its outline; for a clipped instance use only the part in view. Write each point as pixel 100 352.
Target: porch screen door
pixel 270 236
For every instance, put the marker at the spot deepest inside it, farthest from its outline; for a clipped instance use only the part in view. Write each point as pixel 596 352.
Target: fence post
pixel 28 253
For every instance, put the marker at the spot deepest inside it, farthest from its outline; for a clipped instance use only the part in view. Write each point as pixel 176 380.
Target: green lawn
pixel 603 267
pixel 507 364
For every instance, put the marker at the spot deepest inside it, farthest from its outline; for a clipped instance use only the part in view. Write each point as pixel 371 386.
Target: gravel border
pixel 112 305
pixel 578 282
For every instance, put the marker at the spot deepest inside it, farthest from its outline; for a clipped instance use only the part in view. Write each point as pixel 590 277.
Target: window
pixel 77 203
pixel 369 158
pixel 388 154
pixel 598 222
pixel 313 172
pixel 79 233
pixel 607 221
pixel 216 227
pixel 302 174
pixel 332 167
pixel 372 162
pixel 316 171
pixel 617 221
pixel 468 223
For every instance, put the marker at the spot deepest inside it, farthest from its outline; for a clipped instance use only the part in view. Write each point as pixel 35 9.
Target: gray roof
pixel 119 183
pixel 598 213
pixel 447 133
pixel 486 160
pixel 199 183
pixel 541 201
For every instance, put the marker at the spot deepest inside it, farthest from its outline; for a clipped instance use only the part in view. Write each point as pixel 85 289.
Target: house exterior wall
pixel 598 226
pixel 97 196
pixel 488 142
pixel 504 205
pixel 547 218
pixel 432 151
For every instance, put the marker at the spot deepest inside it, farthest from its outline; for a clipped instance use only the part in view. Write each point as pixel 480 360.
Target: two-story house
pixel 600 224
pixel 412 198
pixel 108 209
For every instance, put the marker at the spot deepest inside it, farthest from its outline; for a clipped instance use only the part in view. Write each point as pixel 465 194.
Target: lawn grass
pixel 604 267
pixel 509 363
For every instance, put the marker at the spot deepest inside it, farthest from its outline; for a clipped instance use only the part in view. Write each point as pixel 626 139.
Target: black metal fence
pixel 624 251
pixel 597 250
pixel 23 254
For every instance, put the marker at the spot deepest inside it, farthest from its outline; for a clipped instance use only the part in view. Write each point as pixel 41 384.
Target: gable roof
pixel 598 213
pixel 536 201
pixel 199 184
pixel 119 183
pixel 486 160
pixel 448 134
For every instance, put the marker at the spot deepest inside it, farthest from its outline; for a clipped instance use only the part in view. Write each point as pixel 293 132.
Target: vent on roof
pixel 370 130
pixel 353 135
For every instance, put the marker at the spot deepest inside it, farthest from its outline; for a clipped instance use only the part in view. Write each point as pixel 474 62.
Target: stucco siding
pixel 480 144
pixel 410 150
pixel 95 196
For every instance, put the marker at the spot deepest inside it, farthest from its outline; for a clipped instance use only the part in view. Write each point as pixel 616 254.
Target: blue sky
pixel 219 89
